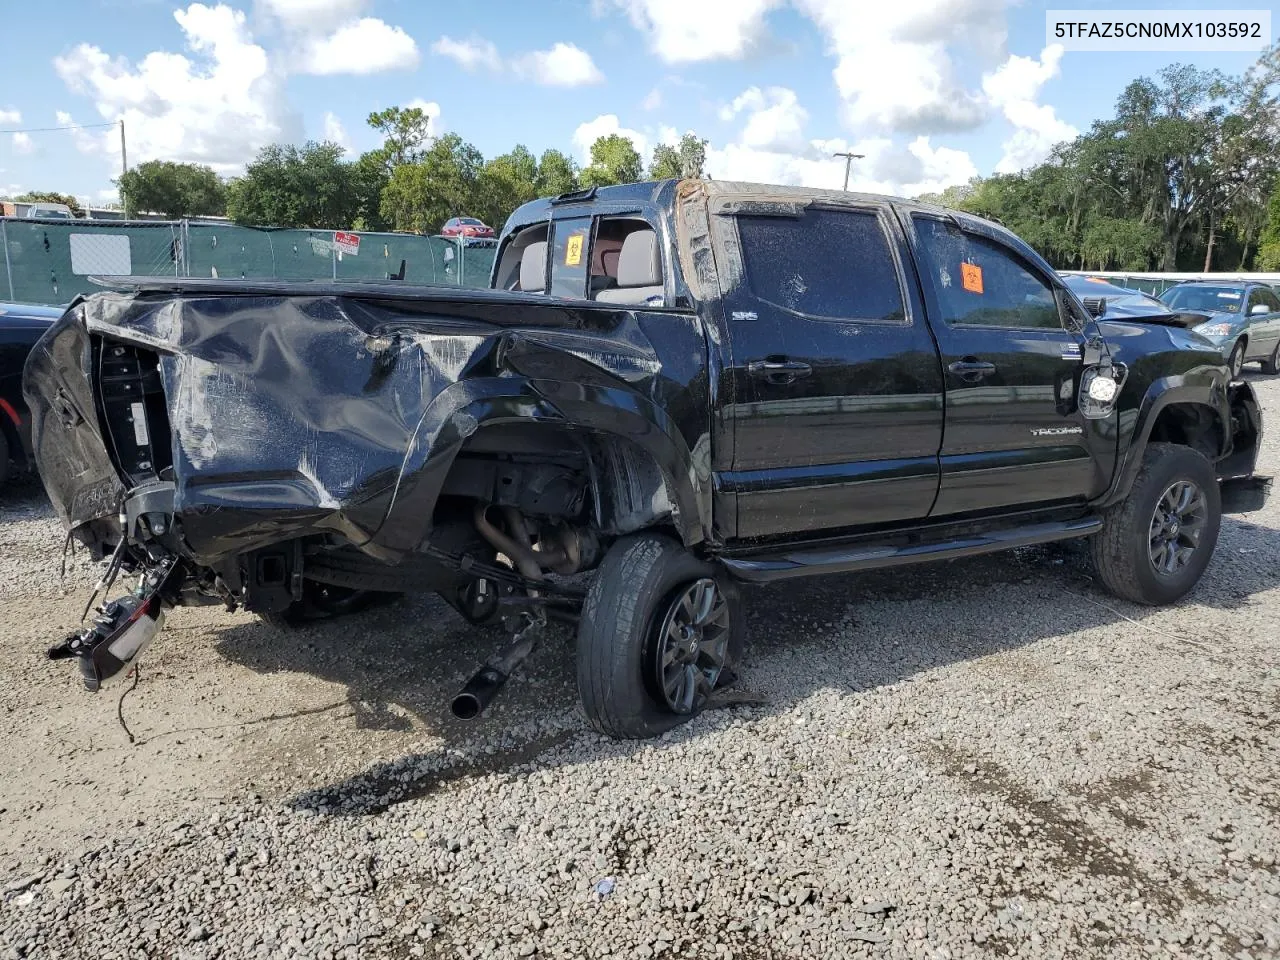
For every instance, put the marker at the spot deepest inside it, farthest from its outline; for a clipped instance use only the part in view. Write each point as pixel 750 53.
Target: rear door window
pixel 826 264
pixel 570 257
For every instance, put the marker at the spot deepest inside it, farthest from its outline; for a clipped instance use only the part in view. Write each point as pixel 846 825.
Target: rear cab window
pixel 570 257
pixel 832 264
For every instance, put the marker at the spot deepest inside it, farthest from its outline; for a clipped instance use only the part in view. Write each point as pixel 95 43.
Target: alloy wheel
pixel 1176 526
pixel 692 643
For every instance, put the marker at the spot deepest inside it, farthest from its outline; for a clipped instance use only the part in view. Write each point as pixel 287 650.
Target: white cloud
pixel 895 67
pixel 1014 87
pixel 471 55
pixel 895 61
pixel 335 132
pixel 564 65
pixel 432 110
pixel 218 107
pixel 775 119
pixel 717 29
pixel 652 100
pixel 22 143
pixel 363 46
pixel 602 126
pixel 83 139
pixel 313 16
pixel 10 116
pixel 772 148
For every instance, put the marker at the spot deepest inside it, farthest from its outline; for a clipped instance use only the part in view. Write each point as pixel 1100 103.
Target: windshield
pixel 1196 297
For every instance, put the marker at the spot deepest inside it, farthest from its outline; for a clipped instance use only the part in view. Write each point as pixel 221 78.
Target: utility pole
pixel 124 168
pixel 848 161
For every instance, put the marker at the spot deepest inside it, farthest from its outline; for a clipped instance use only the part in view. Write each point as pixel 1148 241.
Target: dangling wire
pixel 68 546
pixel 108 578
pixel 120 704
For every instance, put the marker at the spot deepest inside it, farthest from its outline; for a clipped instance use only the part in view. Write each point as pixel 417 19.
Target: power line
pixel 74 126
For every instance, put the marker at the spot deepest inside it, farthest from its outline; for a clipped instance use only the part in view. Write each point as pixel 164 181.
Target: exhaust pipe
pixel 480 690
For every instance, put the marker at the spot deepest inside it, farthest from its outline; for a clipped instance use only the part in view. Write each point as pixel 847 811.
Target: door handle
pixel 779 372
pixel 972 369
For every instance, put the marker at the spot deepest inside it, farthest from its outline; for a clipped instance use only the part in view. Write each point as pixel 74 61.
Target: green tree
pixel 1269 242
pixel 48 196
pixel 614 159
pixel 685 160
pixel 369 177
pixel 421 196
pixel 174 189
pixel 557 174
pixel 289 186
pixel 404 131
pixel 503 184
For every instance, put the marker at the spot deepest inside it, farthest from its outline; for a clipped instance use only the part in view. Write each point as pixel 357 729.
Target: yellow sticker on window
pixel 573 251
pixel 971 277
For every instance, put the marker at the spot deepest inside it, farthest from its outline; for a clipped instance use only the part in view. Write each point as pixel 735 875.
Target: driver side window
pixel 979 283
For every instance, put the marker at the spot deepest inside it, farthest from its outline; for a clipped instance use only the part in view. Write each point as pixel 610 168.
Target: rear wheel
pixel 1271 365
pixel 1235 362
pixel 659 630
pixel 1155 545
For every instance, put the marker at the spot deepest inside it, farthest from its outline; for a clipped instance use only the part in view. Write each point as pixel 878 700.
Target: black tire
pixel 1125 551
pixel 322 601
pixel 1271 365
pixel 636 586
pixel 6 466
pixel 1235 362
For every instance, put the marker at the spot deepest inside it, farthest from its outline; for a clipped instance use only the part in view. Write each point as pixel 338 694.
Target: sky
pixel 932 92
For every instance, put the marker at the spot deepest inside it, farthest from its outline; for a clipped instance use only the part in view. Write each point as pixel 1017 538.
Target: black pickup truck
pixel 678 386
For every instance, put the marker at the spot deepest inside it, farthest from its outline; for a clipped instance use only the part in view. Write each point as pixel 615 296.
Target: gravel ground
pixel 988 758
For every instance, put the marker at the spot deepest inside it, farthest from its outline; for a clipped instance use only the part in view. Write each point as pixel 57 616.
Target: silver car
pixel 1242 319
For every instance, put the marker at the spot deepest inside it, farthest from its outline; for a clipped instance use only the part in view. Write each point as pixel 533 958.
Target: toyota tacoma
pixel 672 389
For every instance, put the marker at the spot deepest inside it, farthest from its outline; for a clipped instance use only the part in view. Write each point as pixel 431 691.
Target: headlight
pixel 1214 329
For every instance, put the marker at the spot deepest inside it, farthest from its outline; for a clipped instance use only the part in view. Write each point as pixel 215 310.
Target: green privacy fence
pixel 50 261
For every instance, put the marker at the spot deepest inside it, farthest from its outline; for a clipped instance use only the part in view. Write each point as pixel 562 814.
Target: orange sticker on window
pixel 971 277
pixel 573 251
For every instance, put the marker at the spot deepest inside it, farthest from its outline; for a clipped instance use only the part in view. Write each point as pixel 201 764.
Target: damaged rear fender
pixel 615 418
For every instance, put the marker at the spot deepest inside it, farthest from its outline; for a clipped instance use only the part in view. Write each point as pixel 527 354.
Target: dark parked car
pixel 21 325
pixel 1120 302
pixel 677 387
pixel 466 227
pixel 1242 319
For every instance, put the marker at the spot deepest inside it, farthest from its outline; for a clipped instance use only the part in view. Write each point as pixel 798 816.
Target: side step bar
pixel 800 562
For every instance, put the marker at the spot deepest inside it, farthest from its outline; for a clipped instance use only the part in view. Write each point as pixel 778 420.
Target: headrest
pixel 533 267
pixel 639 264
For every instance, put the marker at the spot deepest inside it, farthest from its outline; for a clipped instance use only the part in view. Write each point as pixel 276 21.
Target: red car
pixel 466 227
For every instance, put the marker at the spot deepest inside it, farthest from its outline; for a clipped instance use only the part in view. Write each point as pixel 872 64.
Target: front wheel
pixel 1155 545
pixel 659 629
pixel 1235 362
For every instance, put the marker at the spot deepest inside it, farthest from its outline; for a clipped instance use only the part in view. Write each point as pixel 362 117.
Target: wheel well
pixel 548 470
pixel 1193 425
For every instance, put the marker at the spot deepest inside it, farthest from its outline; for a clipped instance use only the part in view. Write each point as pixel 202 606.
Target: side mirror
pixel 1258 309
pixel 1097 306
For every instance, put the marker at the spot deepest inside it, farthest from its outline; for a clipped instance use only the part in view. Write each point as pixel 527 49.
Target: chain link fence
pixel 51 261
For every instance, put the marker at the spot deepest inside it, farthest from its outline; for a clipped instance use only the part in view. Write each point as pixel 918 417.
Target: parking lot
pixel 986 758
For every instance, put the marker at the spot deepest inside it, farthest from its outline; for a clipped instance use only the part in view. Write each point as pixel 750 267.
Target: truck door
pixel 1014 436
pixel 834 391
